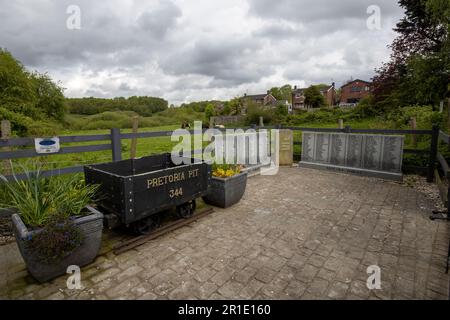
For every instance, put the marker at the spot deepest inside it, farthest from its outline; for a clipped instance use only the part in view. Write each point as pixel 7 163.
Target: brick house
pixel 298 98
pixel 266 100
pixel 328 92
pixel 261 99
pixel 354 91
pixel 330 95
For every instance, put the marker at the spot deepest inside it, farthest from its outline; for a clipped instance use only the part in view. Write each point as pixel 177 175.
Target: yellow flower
pixel 226 171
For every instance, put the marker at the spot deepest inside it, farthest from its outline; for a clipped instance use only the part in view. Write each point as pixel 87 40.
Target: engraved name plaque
pixel 370 155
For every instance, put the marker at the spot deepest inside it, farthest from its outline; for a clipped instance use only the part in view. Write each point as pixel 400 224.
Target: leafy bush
pixel 425 117
pixel 255 112
pixel 366 108
pixel 123 119
pixel 322 115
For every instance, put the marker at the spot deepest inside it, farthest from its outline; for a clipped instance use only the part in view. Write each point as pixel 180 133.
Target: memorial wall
pixel 370 155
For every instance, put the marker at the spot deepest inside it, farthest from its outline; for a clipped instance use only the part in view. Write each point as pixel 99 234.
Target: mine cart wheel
pixel 187 209
pixel 147 225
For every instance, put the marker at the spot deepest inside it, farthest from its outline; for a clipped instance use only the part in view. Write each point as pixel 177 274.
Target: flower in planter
pixel 226 170
pixel 228 187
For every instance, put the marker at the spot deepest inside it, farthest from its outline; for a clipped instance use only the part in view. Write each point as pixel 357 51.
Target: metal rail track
pixel 138 241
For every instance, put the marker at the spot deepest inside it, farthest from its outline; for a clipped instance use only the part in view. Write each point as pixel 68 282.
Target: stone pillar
pixel 286 147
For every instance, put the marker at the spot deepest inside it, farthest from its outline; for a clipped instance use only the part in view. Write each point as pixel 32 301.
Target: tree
pixel 226 108
pixel 281 110
pixel 282 93
pixel 424 81
pixel 420 57
pixel 16 90
pixel 236 106
pixel 143 105
pixel 29 100
pixel 50 97
pixel 313 97
pixel 210 111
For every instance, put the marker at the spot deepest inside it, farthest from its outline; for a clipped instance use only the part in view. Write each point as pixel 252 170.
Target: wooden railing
pixel 114 138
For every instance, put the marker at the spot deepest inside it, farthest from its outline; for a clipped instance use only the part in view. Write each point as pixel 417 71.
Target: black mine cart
pixel 134 191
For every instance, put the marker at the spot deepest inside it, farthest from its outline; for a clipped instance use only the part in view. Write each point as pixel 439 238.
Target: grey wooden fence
pixel 112 142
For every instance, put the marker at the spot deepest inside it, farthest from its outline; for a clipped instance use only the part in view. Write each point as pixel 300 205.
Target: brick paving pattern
pixel 302 234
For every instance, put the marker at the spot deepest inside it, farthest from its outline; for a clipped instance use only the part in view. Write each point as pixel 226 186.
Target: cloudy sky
pixel 188 50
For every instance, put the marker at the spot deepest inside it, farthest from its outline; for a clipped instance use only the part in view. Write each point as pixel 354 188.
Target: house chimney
pixel 268 91
pixel 295 87
pixel 245 94
pixel 333 84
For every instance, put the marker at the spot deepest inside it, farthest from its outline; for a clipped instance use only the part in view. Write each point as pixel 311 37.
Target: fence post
pixel 116 145
pixel 134 140
pixel 433 153
pixel 414 127
pixel 6 134
pixel 341 123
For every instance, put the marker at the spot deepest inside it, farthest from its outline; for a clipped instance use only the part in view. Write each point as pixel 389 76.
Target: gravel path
pixel 6 235
pixel 430 190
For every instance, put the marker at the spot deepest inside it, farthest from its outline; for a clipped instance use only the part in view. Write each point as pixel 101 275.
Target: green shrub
pixel 43 129
pixel 254 113
pixel 425 117
pixel 39 199
pixel 123 119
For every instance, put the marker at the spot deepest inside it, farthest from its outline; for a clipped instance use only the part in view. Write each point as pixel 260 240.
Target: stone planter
pixel 224 193
pixel 91 227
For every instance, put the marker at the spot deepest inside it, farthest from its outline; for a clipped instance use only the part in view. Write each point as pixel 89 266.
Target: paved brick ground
pixel 303 234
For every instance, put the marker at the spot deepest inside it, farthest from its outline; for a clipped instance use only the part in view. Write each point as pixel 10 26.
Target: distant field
pixel 123 119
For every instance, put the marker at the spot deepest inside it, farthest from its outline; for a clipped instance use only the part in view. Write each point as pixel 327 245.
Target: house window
pixel 356 89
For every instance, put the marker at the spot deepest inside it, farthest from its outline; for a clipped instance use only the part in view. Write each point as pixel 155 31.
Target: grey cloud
pixel 105 37
pixel 124 87
pixel 228 62
pixel 306 11
pixel 180 50
pixel 277 31
pixel 158 21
